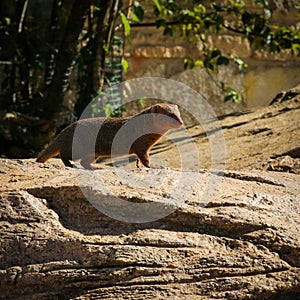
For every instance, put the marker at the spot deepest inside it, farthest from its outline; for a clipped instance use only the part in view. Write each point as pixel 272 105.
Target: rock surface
pixel 241 241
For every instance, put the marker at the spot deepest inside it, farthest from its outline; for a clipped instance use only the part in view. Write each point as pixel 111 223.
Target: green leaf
pixel 104 46
pixel 143 102
pixel 209 66
pixel 222 60
pixel 107 110
pixel 241 64
pixel 200 9
pixel 219 21
pixel 188 63
pixel 168 30
pixel 217 6
pixel 7 20
pixel 198 63
pixel 266 7
pixel 125 65
pixel 134 18
pixel 160 23
pixel 233 96
pixel 125 24
pixel 138 10
pixel 158 5
pixel 246 18
pixel 216 52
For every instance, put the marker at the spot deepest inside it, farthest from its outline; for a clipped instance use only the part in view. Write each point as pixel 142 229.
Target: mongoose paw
pixel 95 167
pixel 138 164
pixel 156 167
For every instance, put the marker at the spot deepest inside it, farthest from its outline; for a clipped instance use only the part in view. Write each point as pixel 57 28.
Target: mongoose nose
pixel 179 123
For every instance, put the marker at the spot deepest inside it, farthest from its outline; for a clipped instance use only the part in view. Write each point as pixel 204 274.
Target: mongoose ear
pixel 154 109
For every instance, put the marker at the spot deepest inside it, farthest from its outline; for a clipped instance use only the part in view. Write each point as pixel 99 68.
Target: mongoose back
pixel 134 135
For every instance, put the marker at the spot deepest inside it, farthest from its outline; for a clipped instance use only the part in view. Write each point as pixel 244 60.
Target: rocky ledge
pixel 121 233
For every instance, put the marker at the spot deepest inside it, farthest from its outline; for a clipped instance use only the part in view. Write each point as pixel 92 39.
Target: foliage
pixel 41 50
pixel 192 20
pixel 42 41
pixel 40 44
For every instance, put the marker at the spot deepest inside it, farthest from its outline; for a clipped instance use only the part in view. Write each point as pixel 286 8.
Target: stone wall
pixel 152 54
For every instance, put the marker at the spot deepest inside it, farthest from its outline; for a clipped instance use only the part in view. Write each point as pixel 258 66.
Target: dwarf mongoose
pixel 95 137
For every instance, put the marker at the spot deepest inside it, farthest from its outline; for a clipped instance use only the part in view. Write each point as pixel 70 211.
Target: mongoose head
pixel 173 119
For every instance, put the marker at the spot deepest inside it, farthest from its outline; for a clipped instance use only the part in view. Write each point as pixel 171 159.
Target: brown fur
pixel 148 128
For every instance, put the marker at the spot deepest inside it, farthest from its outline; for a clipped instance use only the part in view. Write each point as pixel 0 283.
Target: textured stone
pixel 263 83
pixel 231 248
pixel 159 52
pixel 231 45
pixel 242 243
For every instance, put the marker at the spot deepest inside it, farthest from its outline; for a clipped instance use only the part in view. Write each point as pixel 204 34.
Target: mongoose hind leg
pixel 66 161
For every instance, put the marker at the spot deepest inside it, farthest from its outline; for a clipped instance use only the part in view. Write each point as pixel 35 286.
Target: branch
pixel 20 28
pixel 228 27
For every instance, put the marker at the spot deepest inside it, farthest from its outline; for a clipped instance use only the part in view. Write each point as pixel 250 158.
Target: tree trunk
pixel 105 30
pixel 64 59
pixel 93 71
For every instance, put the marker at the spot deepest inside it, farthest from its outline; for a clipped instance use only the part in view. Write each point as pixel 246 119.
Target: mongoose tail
pixel 51 151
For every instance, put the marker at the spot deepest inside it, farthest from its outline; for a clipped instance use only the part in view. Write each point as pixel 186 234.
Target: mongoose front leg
pixel 144 158
pixel 138 163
